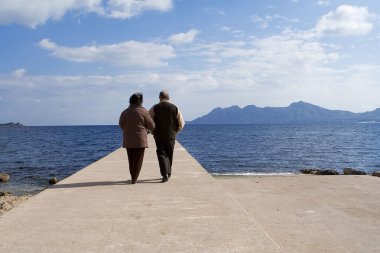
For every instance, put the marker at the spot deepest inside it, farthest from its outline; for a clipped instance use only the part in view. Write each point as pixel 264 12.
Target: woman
pixel 134 121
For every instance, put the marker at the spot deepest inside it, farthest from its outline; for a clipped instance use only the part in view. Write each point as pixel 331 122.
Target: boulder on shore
pixel 53 180
pixel 4 177
pixel 327 172
pixel 319 172
pixel 350 171
pixel 309 171
pixel 376 173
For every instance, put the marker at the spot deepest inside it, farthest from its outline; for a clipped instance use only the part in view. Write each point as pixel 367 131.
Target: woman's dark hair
pixel 136 99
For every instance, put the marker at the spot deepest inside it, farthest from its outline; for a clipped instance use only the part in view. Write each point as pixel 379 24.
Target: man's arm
pixel 151 112
pixel 181 122
pixel 149 123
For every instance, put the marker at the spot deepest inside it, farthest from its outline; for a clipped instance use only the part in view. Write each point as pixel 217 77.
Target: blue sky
pixel 77 62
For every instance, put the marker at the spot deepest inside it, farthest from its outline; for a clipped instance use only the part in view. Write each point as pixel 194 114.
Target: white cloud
pixel 263 80
pixel 32 13
pixel 264 21
pixel 47 44
pixel 215 10
pixel 346 20
pixel 288 51
pixel 129 53
pixel 323 2
pixel 68 100
pixel 128 8
pixel 266 71
pixel 18 73
pixel 278 70
pixel 183 38
pixel 228 29
pixel 270 71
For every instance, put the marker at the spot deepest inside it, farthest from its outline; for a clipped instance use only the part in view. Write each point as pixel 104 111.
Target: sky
pixel 77 62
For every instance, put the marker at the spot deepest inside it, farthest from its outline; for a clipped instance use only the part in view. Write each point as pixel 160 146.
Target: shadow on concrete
pixel 103 183
pixel 152 181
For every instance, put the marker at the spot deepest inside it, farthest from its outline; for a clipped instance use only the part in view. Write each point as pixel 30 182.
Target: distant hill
pixel 298 112
pixel 11 124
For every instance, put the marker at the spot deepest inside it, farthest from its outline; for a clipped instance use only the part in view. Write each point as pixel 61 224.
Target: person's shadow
pixel 104 183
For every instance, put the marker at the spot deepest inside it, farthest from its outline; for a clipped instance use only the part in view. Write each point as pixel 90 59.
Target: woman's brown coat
pixel 134 121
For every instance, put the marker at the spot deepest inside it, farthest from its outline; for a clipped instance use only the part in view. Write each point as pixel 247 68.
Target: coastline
pixel 8 202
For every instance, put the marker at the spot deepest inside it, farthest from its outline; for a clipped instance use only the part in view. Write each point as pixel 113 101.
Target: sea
pixel 31 155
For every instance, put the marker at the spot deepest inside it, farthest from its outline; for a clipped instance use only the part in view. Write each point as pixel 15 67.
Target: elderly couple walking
pixel 164 120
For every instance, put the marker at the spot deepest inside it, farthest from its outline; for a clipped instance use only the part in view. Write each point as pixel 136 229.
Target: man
pixel 169 122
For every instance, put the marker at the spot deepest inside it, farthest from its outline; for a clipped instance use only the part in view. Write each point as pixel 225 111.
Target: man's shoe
pixel 164 179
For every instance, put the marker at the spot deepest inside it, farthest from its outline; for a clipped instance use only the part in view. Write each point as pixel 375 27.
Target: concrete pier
pixel 98 210
pixel 313 214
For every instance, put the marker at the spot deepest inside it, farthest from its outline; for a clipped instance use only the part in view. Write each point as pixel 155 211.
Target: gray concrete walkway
pixel 313 214
pixel 97 210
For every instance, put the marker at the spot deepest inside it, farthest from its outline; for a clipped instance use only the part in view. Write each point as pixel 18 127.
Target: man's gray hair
pixel 164 95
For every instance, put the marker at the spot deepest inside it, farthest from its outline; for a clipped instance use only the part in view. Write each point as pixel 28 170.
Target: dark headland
pixel 11 124
pixel 298 112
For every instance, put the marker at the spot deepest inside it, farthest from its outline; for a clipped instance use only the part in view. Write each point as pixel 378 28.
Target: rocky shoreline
pixel 8 201
pixel 346 171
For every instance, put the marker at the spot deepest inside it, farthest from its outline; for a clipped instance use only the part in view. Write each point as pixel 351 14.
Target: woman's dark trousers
pixel 135 158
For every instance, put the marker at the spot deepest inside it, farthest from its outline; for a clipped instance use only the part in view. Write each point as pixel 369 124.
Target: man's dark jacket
pixel 166 120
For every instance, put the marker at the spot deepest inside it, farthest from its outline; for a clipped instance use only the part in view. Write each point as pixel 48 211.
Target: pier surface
pixel 313 214
pixel 98 210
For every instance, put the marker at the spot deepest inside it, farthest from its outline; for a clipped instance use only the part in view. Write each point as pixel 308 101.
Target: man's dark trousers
pixel 165 149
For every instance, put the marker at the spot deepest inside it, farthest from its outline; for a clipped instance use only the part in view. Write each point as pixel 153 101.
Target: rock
pixel 53 180
pixel 349 171
pixel 319 172
pixel 4 177
pixel 376 173
pixel 309 171
pixel 327 172
pixel 3 194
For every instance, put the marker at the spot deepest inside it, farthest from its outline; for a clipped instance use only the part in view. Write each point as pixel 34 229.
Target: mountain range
pixel 298 112
pixel 11 124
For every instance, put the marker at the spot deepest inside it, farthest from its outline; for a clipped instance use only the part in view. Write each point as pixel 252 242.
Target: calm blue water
pixel 255 149
pixel 32 155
